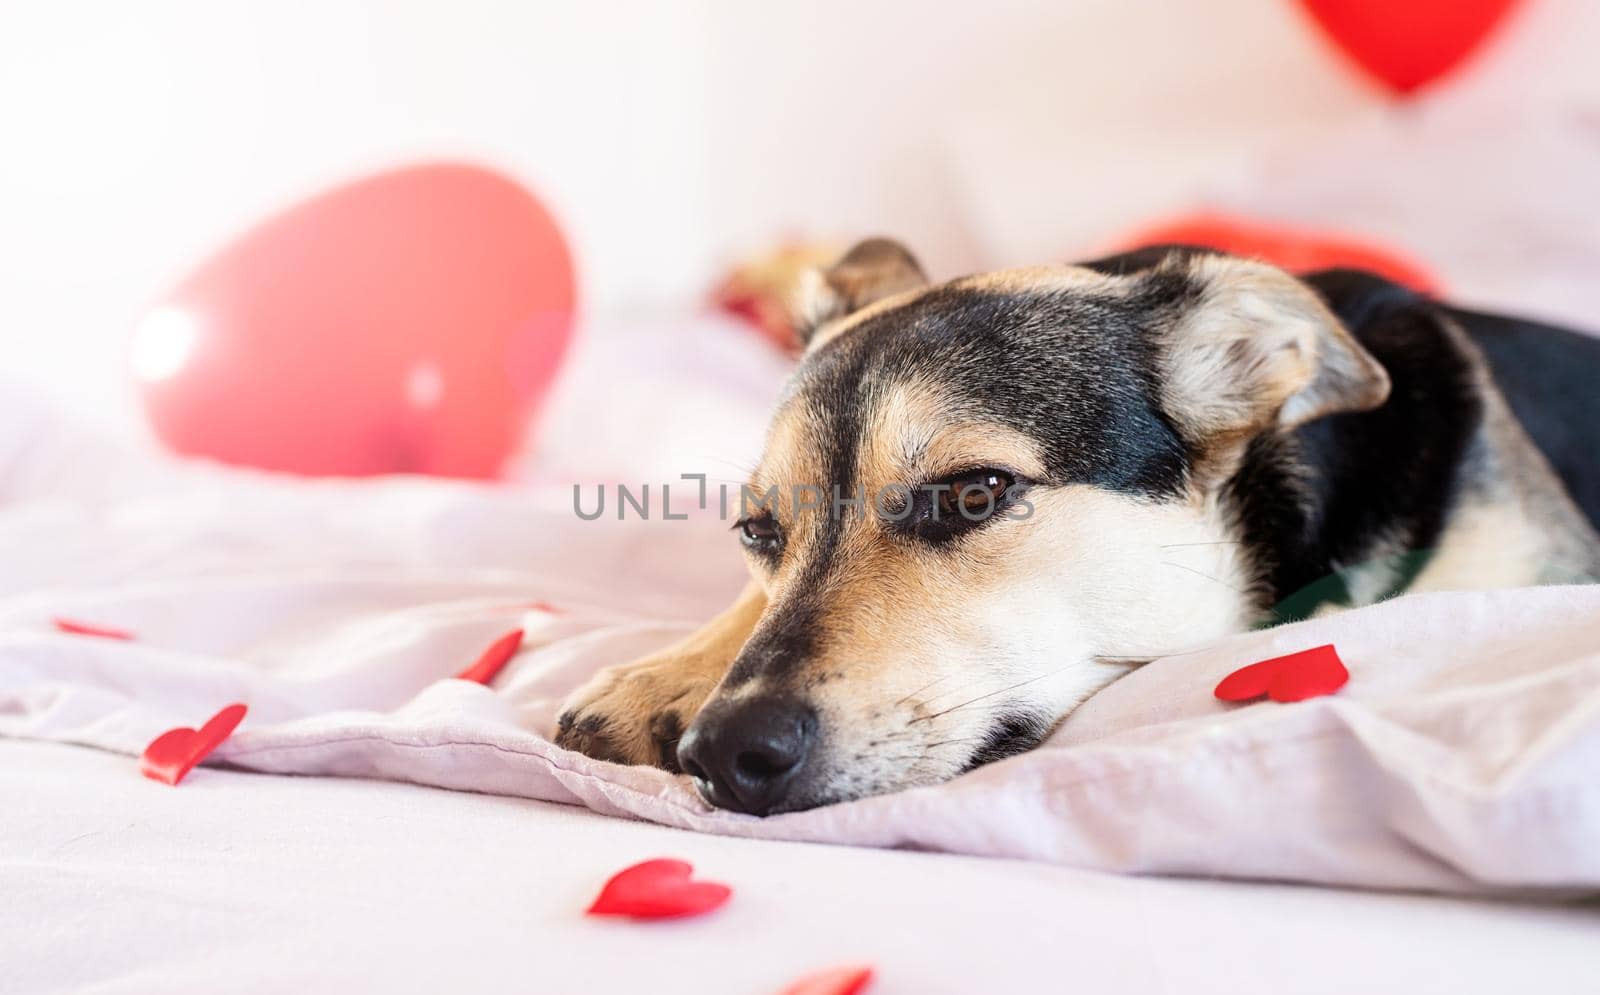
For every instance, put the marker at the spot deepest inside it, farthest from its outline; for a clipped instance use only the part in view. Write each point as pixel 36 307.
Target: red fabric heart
pixel 76 628
pixel 833 981
pixel 658 889
pixel 175 752
pixel 493 659
pixel 1294 677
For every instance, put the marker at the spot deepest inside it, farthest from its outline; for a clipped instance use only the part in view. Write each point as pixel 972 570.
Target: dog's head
pixel 981 501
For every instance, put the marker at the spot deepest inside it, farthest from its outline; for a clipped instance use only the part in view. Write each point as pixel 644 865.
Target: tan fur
pixel 1260 349
pixel 923 649
pixel 894 676
pixel 829 327
pixel 790 456
pixel 1516 525
pixel 821 308
pixel 1045 279
pixel 632 713
pixel 873 271
pixel 917 432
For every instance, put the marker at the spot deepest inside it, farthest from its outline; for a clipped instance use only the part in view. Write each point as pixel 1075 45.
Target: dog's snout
pixel 748 755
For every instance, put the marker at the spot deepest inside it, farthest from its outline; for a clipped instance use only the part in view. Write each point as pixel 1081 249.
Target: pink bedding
pixel 338 610
pixel 242 882
pixel 1460 757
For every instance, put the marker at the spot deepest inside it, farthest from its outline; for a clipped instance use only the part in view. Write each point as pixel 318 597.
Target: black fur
pixel 1345 488
pixel 1011 735
pixel 1549 377
pixel 1061 367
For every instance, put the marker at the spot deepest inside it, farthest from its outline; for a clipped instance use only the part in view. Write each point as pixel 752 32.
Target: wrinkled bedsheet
pixel 1462 755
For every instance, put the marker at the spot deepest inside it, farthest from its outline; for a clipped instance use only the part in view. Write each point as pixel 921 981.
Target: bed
pixel 378 825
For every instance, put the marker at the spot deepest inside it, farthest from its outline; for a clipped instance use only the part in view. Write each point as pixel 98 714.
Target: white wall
pixel 1008 130
pixel 667 137
pixel 138 136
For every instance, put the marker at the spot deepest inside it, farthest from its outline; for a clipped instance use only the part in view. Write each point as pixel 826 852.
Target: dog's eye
pixel 946 509
pixel 974 495
pixel 760 533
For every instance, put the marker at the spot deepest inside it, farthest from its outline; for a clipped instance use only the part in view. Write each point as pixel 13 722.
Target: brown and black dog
pixel 1039 478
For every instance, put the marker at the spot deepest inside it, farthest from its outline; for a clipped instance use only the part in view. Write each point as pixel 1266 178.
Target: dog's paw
pixel 634 714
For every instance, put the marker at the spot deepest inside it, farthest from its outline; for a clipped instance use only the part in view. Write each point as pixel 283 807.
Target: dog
pixel 1041 478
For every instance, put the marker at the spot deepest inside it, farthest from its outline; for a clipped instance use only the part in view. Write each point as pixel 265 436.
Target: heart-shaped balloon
pixel 1296 249
pixel 175 752
pixel 1293 677
pixel 658 889
pixel 1407 44
pixel 408 322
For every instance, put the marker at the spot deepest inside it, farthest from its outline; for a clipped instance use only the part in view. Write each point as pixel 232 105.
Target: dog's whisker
pixel 911 758
pixel 1147 657
pixel 951 742
pixel 991 694
pixel 736 466
pixel 1241 592
pixel 924 687
pixel 1214 542
pixel 958 689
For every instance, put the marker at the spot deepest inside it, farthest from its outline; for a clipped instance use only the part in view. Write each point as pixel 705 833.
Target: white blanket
pixel 242 883
pixel 1462 756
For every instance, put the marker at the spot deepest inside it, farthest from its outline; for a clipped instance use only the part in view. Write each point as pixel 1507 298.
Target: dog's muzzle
pixel 749 755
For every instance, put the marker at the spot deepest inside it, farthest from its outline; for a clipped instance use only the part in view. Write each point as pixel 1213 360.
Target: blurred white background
pixel 668 138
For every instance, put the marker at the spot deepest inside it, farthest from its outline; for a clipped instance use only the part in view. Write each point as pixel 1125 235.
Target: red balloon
pixel 405 323
pixel 1408 44
pixel 1299 250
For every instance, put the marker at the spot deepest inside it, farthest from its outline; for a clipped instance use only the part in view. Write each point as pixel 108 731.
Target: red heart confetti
pixel 1294 677
pixel 77 628
pixel 493 659
pixel 848 980
pixel 175 752
pixel 658 889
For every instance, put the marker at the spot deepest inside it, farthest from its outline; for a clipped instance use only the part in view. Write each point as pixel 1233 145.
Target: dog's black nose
pixel 746 755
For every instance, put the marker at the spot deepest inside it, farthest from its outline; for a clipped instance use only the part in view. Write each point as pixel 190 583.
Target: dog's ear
pixel 1256 349
pixel 873 270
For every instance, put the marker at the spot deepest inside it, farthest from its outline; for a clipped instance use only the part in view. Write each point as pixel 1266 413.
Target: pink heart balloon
pixel 407 322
